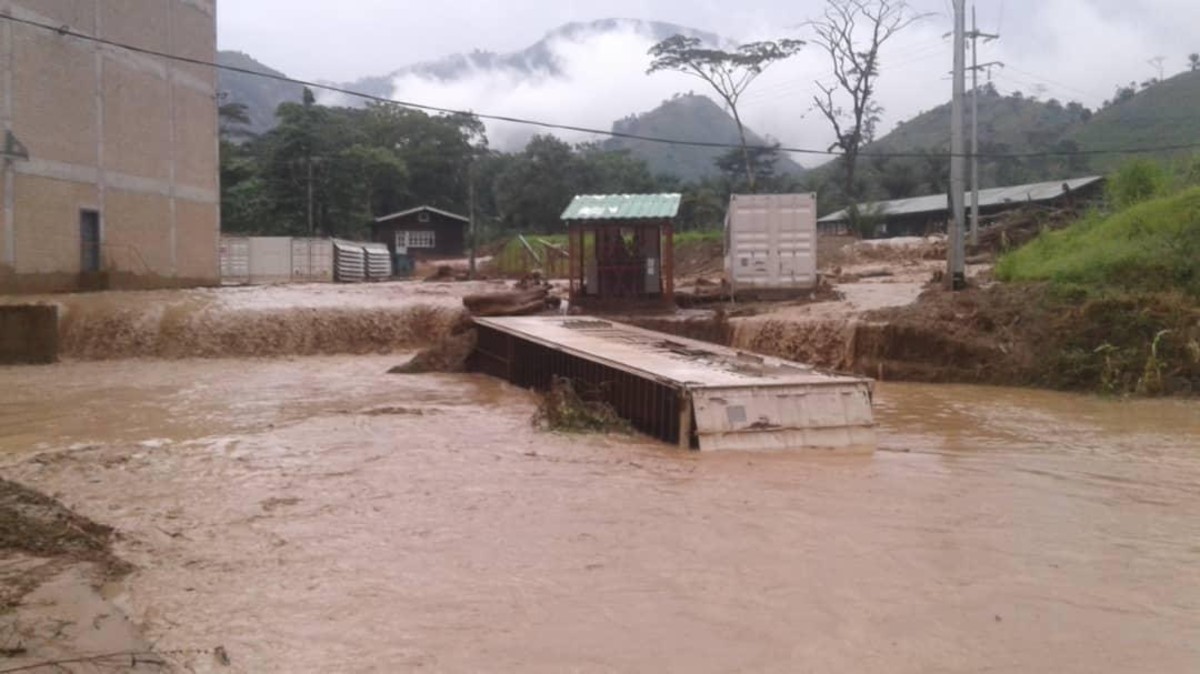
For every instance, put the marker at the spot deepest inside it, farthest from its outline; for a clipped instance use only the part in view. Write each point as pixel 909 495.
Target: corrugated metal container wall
pixel 771 242
pixel 235 259
pixel 349 262
pixel 312 260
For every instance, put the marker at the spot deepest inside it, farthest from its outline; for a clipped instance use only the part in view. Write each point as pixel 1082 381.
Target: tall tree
pixel 852 32
pixel 1194 61
pixel 762 168
pixel 729 73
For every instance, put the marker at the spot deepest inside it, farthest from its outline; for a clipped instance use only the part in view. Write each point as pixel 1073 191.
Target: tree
pixel 729 73
pixel 762 168
pixel 1194 61
pixel 233 115
pixel 852 32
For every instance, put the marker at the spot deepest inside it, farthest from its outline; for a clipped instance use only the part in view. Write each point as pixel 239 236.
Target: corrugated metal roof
pixel 997 196
pixel 622 207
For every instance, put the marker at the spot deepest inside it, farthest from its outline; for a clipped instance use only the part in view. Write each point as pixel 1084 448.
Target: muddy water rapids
pixel 317 515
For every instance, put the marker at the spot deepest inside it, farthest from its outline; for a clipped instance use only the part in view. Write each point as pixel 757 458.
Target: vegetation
pixel 1158 116
pixel 688 117
pixel 852 32
pixel 563 409
pixel 513 259
pixel 729 73
pixel 356 164
pixel 1149 244
pixel 1124 287
pixel 258 96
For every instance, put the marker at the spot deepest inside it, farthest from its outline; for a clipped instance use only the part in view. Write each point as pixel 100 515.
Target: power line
pixel 1047 80
pixel 67 32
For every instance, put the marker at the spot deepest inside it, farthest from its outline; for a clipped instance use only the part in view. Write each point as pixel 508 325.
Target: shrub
pixel 1137 181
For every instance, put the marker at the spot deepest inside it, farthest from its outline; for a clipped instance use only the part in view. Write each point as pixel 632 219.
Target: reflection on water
pixel 317 515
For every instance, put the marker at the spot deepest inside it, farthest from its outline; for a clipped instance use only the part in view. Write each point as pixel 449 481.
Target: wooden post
pixel 667 263
pixel 575 254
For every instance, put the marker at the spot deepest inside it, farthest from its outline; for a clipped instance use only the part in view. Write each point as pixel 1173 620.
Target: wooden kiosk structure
pixel 622 249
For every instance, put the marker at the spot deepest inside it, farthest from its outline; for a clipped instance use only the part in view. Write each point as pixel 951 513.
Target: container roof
pixel 997 196
pixel 431 209
pixel 623 207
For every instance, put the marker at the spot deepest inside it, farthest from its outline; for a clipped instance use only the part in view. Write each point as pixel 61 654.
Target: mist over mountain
pixel 593 75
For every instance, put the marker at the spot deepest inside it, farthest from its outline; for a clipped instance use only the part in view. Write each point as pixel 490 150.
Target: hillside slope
pixel 686 117
pixel 1164 114
pixel 1016 123
pixel 260 95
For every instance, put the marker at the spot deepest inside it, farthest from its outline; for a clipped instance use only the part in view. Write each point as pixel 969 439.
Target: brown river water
pixel 316 515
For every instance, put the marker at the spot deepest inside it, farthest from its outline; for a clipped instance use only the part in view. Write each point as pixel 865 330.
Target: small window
pixel 415 240
pixel 423 216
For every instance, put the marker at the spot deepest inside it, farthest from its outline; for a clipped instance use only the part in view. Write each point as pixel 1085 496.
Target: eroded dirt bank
pixel 264 321
pixel 316 515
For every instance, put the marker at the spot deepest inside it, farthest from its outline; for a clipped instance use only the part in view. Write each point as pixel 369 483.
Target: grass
pixel 1152 246
pixel 1125 285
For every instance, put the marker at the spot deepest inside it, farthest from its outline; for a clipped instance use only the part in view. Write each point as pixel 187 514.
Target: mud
pixel 35 525
pixel 268 321
pixel 450 354
pixel 300 514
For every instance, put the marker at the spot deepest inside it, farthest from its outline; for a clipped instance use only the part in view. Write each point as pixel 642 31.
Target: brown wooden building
pixel 424 233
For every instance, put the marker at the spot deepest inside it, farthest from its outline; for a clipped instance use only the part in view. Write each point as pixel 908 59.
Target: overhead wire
pixel 66 31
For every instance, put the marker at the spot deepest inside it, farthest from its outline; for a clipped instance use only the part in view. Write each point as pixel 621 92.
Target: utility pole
pixel 975 68
pixel 311 229
pixel 956 254
pixel 471 216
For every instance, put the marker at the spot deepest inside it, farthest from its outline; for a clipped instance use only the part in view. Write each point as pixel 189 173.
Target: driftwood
pixel 518 303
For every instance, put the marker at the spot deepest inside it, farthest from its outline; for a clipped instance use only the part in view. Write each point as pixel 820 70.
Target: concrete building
pixel 110 157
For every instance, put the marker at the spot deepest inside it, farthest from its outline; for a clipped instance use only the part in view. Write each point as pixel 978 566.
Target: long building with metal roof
pixel 915 215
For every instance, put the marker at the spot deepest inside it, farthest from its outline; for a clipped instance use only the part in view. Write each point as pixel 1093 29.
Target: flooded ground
pixel 317 515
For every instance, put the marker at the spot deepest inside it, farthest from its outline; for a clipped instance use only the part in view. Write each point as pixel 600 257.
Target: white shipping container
pixel 270 259
pixel 771 243
pixel 312 260
pixel 235 260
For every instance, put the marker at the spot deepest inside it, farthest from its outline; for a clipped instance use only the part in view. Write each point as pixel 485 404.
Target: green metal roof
pixel 622 207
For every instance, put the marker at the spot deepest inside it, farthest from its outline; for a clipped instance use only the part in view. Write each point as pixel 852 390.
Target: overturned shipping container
pixel 682 391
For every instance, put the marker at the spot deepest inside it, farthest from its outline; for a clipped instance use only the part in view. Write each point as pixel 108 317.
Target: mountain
pixel 686 117
pixel 541 59
pixel 1014 123
pixel 260 95
pixel 1160 115
pixel 1156 116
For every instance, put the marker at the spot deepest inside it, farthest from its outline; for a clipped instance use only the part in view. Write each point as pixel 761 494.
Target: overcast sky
pixel 1065 49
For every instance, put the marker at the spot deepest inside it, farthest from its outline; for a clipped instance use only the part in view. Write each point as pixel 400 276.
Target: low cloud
pixel 1065 49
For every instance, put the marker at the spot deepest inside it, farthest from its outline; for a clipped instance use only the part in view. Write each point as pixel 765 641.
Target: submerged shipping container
pixel 771 243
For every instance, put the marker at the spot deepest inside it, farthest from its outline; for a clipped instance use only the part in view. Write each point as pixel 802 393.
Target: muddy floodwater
pixel 317 515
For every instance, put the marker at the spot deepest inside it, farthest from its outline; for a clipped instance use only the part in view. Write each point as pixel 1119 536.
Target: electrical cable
pixel 65 31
